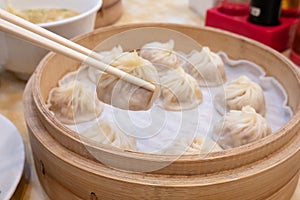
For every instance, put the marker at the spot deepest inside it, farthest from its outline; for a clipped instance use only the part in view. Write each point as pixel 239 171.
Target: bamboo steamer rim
pixel 293 124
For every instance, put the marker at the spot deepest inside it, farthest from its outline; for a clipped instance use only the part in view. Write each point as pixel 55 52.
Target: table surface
pixel 11 88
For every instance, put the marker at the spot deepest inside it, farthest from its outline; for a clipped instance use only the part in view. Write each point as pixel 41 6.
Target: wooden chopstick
pixel 25 30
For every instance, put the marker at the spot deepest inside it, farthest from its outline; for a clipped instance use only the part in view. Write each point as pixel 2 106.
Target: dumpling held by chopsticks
pixel 119 93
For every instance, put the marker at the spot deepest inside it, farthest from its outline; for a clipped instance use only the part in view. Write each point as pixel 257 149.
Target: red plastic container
pixel 277 37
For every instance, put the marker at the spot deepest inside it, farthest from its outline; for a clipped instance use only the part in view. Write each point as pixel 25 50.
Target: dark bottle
pixel 265 12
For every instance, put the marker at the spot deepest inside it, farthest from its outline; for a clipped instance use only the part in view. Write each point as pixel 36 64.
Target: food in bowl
pixel 43 15
pixel 23 61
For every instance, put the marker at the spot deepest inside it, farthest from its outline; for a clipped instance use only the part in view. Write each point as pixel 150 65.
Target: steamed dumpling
pixel 179 91
pixel 197 146
pixel 74 102
pixel 239 93
pixel 240 127
pixel 106 133
pixel 107 57
pixel 206 67
pixel 124 95
pixel 162 55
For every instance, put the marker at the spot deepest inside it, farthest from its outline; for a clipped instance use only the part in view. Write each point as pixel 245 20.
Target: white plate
pixel 12 157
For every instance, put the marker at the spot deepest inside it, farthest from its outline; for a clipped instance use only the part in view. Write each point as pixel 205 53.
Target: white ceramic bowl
pixel 22 57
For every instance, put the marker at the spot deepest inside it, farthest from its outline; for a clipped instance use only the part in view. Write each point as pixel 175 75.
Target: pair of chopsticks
pixel 33 33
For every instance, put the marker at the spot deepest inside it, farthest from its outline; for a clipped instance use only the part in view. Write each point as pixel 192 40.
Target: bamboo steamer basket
pixel 266 169
pixel 66 175
pixel 109 13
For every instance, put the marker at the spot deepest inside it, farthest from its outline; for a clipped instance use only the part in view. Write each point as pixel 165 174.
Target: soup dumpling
pixel 196 146
pixel 239 93
pixel 162 55
pixel 114 91
pixel 107 133
pixel 206 67
pixel 74 102
pixel 240 127
pixel 106 57
pixel 179 91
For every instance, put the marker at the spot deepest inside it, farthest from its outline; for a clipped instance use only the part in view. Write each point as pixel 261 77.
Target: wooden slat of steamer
pixel 109 13
pixel 287 191
pixel 66 175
